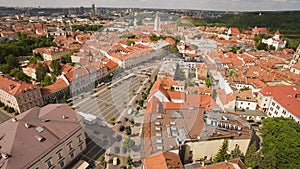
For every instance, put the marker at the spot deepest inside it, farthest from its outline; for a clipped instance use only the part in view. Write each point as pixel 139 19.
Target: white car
pixel 115 161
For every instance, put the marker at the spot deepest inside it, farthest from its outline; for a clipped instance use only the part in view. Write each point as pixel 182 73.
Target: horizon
pixel 205 5
pixel 148 8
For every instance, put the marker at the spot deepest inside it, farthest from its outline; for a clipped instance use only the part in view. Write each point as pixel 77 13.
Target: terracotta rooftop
pixel 231 164
pixel 297 65
pixel 286 96
pixel 163 160
pixel 13 87
pixel 244 96
pixel 58 85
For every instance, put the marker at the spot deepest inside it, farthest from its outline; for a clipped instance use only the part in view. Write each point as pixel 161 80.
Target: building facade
pixel 20 96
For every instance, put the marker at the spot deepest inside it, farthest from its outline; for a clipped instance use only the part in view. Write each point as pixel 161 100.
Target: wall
pixel 210 148
pixel 65 152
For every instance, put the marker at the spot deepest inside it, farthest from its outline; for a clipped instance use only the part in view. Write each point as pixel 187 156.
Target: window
pixel 276 112
pixel 284 112
pixel 49 163
pixel 80 147
pixel 264 104
pixel 61 163
pixel 59 155
pixel 277 107
pixel 70 146
pixel 79 138
pixel 266 99
pixel 72 155
pixel 248 104
pixel 273 104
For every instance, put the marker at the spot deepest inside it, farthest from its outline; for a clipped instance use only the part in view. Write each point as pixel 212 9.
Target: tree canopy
pixel 222 154
pixel 23 46
pixel 281 143
pixel 128 143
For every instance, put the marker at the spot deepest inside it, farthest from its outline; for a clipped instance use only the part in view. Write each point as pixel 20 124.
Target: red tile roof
pixel 286 96
pixel 163 160
pixel 58 85
pixel 297 65
pixel 14 87
pixel 231 164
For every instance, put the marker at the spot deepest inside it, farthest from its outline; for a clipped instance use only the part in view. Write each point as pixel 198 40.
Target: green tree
pixel 32 60
pixel 261 46
pixel 101 158
pixel 281 142
pixel 14 72
pixel 128 143
pixel 128 131
pixel 56 68
pixel 129 42
pixel 47 81
pixel 269 161
pixel 208 82
pixel 252 157
pixel 232 73
pixel 222 154
pixel 112 119
pixel 236 153
pixel 5 68
pixel 12 62
pixel 131 120
pixel 141 103
pixel 129 161
pixel 40 72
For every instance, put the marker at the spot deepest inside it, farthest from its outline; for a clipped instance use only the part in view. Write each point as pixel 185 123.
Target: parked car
pixel 115 161
pixel 117 150
pixel 124 150
pixel 121 128
pixel 118 138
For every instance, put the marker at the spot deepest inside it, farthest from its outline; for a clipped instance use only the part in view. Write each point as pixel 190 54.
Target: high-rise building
pixel 81 10
pixel 93 10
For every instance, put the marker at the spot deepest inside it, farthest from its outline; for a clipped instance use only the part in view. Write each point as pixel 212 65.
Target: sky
pixel 221 5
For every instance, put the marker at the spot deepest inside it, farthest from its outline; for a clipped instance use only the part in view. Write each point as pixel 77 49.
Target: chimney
pixel 27 125
pixel 4 156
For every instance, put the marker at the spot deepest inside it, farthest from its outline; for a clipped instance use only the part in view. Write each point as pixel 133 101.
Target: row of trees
pixel 86 28
pixel 223 154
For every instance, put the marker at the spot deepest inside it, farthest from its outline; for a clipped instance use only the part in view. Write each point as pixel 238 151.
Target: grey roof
pixel 34 133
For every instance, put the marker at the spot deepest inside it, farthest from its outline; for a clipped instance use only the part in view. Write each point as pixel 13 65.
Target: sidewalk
pixel 4 116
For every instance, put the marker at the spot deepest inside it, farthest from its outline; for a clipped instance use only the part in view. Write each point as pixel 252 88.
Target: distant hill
pixel 287 22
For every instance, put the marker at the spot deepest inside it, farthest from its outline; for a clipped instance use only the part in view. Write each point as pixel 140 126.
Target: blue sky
pixel 240 5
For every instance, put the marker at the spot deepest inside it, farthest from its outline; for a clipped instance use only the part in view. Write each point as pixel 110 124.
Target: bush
pixel 128 131
pixel 112 119
pixel 131 121
pixel 129 160
pixel 9 109
pixel 1 104
pixel 101 158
